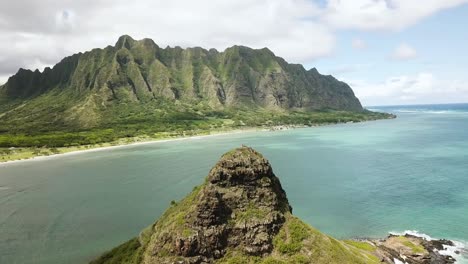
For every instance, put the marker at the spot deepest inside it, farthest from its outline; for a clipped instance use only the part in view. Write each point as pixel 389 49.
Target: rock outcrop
pixel 241 206
pixel 412 249
pixel 241 215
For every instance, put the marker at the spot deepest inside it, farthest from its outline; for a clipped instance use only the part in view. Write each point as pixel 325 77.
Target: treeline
pixel 176 124
pixel 97 136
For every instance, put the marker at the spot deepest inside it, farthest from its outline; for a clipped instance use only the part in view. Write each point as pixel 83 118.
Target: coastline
pixel 201 142
pixel 148 140
pixel 411 246
pixel 95 148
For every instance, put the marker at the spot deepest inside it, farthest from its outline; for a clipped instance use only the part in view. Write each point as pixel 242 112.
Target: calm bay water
pixel 353 180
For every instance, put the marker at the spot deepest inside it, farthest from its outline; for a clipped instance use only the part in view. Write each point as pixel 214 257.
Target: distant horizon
pixel 399 51
pixel 366 106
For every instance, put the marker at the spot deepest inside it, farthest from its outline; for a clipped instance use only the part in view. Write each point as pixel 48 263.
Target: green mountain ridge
pixel 136 89
pixel 141 71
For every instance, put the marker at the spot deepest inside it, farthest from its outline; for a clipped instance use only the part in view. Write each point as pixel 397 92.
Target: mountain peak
pixel 241 205
pixel 124 41
pixel 314 70
pixel 241 166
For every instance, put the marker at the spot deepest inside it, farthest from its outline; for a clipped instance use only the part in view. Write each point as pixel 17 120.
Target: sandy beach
pixel 154 141
pixel 122 145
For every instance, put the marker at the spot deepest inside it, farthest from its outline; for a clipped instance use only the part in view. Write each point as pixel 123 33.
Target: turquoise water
pixel 352 180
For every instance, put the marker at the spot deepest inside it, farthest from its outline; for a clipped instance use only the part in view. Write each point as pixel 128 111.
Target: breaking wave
pixel 423 109
pixel 459 251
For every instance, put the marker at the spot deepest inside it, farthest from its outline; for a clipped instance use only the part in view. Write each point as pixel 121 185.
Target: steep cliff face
pixel 239 215
pixel 140 71
pixel 242 206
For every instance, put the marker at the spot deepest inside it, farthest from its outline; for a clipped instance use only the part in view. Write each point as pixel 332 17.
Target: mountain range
pixel 82 87
pixel 135 71
pixel 137 89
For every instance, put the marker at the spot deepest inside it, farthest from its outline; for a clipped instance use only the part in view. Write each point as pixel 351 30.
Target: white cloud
pixel 404 52
pixel 420 88
pixel 66 27
pixel 382 14
pixel 40 33
pixel 350 68
pixel 277 24
pixel 3 79
pixel 65 20
pixel 359 44
pixel 298 30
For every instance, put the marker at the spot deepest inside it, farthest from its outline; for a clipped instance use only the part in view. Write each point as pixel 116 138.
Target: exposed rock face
pixel 413 250
pixel 241 206
pixel 140 71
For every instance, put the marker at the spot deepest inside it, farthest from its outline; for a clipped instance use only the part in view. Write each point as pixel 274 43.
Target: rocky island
pixel 241 214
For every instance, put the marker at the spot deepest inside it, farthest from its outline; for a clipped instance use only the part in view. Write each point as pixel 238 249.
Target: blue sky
pixel 439 42
pixel 389 51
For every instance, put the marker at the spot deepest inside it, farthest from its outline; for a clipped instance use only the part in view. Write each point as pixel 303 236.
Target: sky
pixel 390 52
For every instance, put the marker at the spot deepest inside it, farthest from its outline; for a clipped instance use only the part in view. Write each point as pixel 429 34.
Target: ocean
pixel 349 180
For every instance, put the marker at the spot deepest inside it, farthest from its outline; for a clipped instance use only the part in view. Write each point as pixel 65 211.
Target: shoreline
pixel 400 247
pixel 135 143
pixel 146 141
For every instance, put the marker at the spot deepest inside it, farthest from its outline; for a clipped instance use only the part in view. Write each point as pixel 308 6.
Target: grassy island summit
pixel 138 91
pixel 241 214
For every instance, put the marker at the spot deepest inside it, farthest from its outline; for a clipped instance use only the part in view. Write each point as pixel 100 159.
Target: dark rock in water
pixel 413 250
